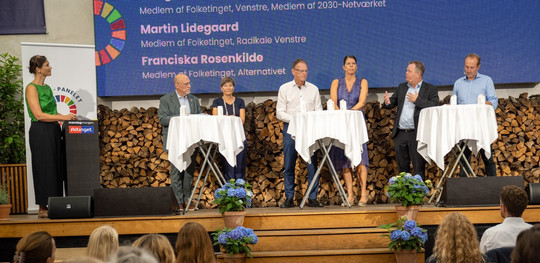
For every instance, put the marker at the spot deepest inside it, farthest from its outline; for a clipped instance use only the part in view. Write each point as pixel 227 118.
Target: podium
pixel 82 157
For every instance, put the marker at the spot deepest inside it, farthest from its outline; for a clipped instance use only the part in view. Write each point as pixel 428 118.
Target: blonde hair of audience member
pixel 526 249
pixel 457 241
pixel 193 244
pixel 134 255
pixel 84 259
pixel 103 243
pixel 159 245
pixel 37 247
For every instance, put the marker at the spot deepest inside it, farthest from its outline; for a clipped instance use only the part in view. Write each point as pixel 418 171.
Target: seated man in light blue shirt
pixel 467 90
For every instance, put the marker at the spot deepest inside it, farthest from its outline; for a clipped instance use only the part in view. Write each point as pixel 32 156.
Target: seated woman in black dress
pixel 236 107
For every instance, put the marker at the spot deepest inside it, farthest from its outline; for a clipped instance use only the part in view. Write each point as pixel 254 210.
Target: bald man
pixel 169 106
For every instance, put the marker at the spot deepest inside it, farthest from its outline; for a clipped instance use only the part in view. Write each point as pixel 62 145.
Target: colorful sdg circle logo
pixel 118 32
pixel 65 103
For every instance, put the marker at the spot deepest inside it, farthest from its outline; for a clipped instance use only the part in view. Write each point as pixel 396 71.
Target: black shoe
pixel 314 203
pixel 287 204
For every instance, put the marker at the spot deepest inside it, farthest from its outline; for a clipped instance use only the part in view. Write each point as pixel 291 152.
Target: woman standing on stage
pixel 235 107
pixel 354 91
pixel 45 136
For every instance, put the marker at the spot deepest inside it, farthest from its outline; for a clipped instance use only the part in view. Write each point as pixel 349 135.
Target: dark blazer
pixel 428 97
pixel 169 106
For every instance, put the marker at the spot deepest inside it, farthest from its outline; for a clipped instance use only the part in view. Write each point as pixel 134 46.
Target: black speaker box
pixel 533 191
pixel 70 207
pixel 476 191
pixel 134 201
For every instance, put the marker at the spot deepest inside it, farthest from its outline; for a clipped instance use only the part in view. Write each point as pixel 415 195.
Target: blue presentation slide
pixel 142 44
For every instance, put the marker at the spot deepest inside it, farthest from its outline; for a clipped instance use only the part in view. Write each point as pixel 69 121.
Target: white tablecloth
pixel 186 131
pixel 347 127
pixel 441 128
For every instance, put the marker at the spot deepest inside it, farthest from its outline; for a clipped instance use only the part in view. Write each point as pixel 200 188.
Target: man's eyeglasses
pixel 301 71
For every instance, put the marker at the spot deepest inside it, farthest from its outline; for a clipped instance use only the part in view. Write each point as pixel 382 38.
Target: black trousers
pixel 405 145
pixel 48 160
pixel 491 168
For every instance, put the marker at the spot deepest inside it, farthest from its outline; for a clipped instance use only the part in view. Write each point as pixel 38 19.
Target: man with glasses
pixel 290 96
pixel 169 106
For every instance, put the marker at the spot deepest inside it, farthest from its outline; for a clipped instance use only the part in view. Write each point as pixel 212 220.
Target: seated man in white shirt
pixel 514 200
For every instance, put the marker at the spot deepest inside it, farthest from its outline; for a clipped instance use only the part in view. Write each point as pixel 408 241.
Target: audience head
pixel 38 247
pixel 526 249
pixel 103 243
pixel 456 240
pixel 193 244
pixel 134 255
pixel 84 259
pixel 158 245
pixel 514 200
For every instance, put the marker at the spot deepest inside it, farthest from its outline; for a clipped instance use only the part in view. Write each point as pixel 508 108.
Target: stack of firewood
pixel 132 151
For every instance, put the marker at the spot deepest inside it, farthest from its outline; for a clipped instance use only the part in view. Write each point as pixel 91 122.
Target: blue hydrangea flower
pixel 240 181
pixel 236 234
pixel 393 180
pixel 217 195
pixel 231 192
pixel 222 239
pixel 405 235
pixel 407 176
pixel 240 193
pixel 254 239
pixel 424 237
pixel 417 232
pixel 395 235
pixel 409 225
pixel 418 177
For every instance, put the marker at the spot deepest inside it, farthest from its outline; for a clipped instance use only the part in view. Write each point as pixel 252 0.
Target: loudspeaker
pixel 134 201
pixel 533 191
pixel 476 191
pixel 70 207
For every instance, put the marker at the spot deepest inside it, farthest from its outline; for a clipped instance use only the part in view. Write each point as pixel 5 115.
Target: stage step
pixel 321 239
pixel 365 255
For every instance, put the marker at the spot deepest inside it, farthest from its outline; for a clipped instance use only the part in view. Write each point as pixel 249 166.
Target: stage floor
pixel 269 218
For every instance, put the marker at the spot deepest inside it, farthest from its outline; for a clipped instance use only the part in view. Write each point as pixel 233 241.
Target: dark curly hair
pixel 515 199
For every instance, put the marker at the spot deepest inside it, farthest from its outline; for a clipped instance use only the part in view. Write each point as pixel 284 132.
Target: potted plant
pixel 12 147
pixel 232 200
pixel 409 191
pixel 5 206
pixel 407 238
pixel 235 242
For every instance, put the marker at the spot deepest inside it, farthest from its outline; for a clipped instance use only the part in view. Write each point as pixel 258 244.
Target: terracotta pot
pixel 406 256
pixel 4 211
pixel 235 258
pixel 409 212
pixel 232 219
